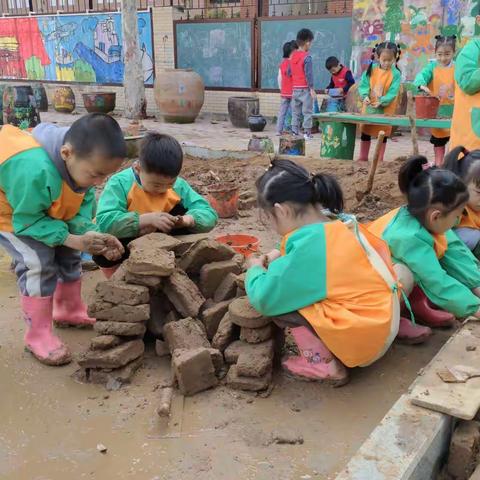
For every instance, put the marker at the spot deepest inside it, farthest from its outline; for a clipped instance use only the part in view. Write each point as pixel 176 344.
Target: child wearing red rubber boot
pixel 419 235
pixel 337 276
pixel 46 210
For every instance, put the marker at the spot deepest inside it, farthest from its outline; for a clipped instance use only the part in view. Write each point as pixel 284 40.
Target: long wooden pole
pixel 411 118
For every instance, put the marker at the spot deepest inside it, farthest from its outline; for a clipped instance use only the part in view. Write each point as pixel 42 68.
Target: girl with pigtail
pixel 379 87
pixel 437 79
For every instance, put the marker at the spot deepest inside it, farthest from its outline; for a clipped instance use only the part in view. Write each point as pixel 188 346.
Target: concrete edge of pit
pixel 210 154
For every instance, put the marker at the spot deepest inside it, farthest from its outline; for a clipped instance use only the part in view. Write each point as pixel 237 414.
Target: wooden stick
pixel 373 168
pixel 411 118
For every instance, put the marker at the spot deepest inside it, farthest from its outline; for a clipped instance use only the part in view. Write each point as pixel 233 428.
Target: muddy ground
pixel 50 425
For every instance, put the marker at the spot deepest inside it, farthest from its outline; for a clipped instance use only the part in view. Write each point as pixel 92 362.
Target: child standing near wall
pixel 46 210
pixel 302 83
pixel 379 89
pixel 437 79
pixel 285 86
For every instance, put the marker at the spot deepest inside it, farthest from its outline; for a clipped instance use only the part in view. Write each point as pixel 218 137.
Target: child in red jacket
pixel 285 86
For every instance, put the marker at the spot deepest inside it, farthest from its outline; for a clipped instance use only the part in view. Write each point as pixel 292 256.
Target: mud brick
pixel 241 281
pixel 212 317
pixel 244 315
pixel 203 252
pixel 105 311
pixel 256 335
pixel 185 334
pixel 187 241
pixel 150 261
pixel 194 370
pixel 184 294
pixel 225 333
pixel 235 349
pixel 104 342
pixel 122 329
pixel 122 293
pixel 165 401
pixel 161 348
pixel 119 274
pixel 217 359
pixel 255 363
pixel 464 448
pixel 150 281
pixel 121 375
pixel 227 289
pixel 154 241
pixel 252 384
pixel 212 274
pixel 113 358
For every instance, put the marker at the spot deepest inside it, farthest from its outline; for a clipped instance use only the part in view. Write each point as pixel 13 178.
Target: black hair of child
pixel 431 186
pixel 286 181
pixel 161 154
pixel 465 164
pixel 379 48
pixel 288 48
pixel 96 132
pixel 332 62
pixel 303 36
pixel 450 40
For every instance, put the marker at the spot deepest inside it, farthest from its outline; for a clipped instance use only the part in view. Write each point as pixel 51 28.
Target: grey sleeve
pixel 469 236
pixel 308 68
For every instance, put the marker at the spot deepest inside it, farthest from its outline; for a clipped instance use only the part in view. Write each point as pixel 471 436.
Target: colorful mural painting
pixel 413 24
pixel 70 48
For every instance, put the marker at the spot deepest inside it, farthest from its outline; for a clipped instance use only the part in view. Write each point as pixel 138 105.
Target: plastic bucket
pixel 224 199
pixel 426 107
pixel 244 244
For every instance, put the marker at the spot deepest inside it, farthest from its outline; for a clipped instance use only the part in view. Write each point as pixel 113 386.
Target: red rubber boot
pixel 39 339
pixel 412 334
pixel 364 150
pixel 108 272
pixel 426 314
pixel 68 306
pixel 315 362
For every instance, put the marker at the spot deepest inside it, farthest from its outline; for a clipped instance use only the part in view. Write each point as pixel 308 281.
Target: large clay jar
pixel 179 95
pixel 41 97
pixel 240 108
pixel 64 100
pixel 20 107
pixel 99 102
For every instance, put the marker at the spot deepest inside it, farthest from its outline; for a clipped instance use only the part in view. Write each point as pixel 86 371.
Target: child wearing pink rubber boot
pixel 46 210
pixel 336 275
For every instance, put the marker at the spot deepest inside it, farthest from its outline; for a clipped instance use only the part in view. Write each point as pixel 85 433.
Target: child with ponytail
pixel 421 239
pixel 437 79
pixel 331 282
pixel 466 165
pixel 379 89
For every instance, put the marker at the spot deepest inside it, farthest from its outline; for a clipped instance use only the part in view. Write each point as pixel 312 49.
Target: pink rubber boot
pixel 439 155
pixel 364 150
pixel 68 307
pixel 109 271
pixel 315 362
pixel 39 338
pixel 412 334
pixel 426 313
pixel 381 152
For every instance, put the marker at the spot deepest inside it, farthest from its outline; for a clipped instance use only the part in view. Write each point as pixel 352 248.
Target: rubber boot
pixel 439 155
pixel 68 306
pixel 109 271
pixel 427 313
pixel 381 152
pixel 315 362
pixel 412 334
pixel 364 150
pixel 39 338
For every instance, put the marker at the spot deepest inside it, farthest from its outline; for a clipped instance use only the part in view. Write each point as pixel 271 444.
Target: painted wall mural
pixel 70 48
pixel 413 24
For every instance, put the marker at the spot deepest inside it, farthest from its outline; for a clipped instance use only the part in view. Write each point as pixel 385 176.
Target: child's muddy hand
pixel 93 243
pixel 273 255
pixel 426 90
pixel 163 222
pixel 114 248
pixel 476 291
pixel 186 221
pixel 477 314
pixel 146 230
pixel 366 101
pixel 375 104
pixel 257 261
